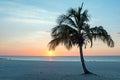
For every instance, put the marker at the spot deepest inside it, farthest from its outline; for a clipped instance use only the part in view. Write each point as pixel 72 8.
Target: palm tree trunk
pixel 83 62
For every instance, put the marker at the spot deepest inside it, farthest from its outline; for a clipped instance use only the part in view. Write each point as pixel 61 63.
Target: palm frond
pixel 62 34
pixel 100 33
pixel 54 43
pixel 73 13
pixel 85 16
pixel 87 35
pixel 79 12
pixel 63 19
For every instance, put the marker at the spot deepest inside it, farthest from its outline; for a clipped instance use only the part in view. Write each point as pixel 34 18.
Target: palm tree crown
pixel 73 29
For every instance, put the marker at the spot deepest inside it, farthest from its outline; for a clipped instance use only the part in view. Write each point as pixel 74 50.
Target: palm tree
pixel 73 30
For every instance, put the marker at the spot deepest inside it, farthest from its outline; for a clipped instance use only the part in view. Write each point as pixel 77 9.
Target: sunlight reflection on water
pixel 50 58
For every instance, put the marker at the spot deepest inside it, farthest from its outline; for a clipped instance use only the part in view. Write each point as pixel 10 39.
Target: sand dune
pixel 38 70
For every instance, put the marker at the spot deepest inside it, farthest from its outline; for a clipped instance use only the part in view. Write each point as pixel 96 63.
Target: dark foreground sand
pixel 37 70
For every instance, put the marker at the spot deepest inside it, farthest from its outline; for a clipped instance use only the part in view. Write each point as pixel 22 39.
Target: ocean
pixel 62 58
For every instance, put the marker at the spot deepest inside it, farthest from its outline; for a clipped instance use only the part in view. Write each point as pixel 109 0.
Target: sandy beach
pixel 46 70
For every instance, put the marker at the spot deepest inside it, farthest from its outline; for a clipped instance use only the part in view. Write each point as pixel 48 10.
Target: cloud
pixel 118 33
pixel 39 22
pixel 17 20
pixel 37 38
pixel 16 12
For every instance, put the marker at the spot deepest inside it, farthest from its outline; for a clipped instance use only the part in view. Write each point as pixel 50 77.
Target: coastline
pixel 57 70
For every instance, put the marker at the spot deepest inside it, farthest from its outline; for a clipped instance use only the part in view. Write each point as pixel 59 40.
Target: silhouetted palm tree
pixel 73 29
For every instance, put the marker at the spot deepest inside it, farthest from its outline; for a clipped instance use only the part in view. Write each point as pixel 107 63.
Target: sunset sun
pixel 51 53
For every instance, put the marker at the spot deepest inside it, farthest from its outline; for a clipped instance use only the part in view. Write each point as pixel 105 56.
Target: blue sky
pixel 28 22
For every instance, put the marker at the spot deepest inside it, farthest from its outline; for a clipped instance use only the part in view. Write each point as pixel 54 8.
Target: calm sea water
pixel 62 58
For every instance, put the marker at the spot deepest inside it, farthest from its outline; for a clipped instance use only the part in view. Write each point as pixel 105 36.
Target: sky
pixel 25 26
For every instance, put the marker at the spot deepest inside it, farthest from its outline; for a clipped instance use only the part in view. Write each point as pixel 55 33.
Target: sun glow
pixel 51 53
